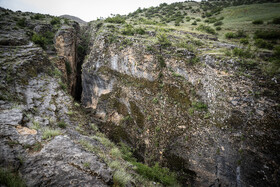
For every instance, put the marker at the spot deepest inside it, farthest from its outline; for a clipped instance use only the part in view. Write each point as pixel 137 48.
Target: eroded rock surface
pixel 201 120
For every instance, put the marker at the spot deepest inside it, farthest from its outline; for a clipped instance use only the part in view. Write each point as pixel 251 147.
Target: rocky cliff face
pixel 184 108
pixel 211 125
pixel 33 104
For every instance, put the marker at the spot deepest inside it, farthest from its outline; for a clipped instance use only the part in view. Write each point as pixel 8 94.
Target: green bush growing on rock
pixel 218 23
pixel 161 61
pixel 62 85
pixel 218 28
pixel 194 23
pixel 10 179
pixel 128 30
pixel 140 31
pixel 62 124
pixel 117 19
pixel 244 41
pixel 68 67
pixel 55 21
pixel 21 22
pixel 156 173
pixel 238 34
pixel 267 35
pixel 260 43
pixel 257 22
pixel 163 40
pixel 242 53
pixel 37 16
pixel 206 28
pixel 39 39
pixel 276 20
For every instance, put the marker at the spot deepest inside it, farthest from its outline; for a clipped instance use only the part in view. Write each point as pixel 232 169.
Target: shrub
pixel 38 16
pixel 276 20
pixel 207 29
pixel 267 35
pixel 117 19
pixel 238 34
pixel 140 31
pixel 68 67
pixel 62 124
pixel 8 178
pixel 218 28
pixel 260 43
pixel 21 22
pixel 242 53
pixel 62 85
pixel 276 51
pixel 163 40
pixel 230 35
pixel 39 39
pixel 244 41
pixel 257 22
pixel 199 105
pixel 161 61
pixel 128 30
pixel 194 23
pixel 218 23
pixel 156 173
pixel 55 21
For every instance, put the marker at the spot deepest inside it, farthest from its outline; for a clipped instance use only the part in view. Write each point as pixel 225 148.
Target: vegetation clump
pixel 257 22
pixel 163 40
pixel 10 179
pixel 117 19
pixel 206 28
pixel 55 21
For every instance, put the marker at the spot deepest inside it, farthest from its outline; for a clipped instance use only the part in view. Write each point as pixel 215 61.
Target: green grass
pixel 62 124
pixel 49 133
pixel 10 179
pixel 244 13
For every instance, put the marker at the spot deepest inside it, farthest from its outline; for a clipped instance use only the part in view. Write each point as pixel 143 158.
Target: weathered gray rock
pixel 62 163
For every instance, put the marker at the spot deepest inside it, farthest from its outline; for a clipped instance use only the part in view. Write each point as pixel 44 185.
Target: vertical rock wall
pixel 66 47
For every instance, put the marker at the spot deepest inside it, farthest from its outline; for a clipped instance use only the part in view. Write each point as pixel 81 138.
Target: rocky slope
pixel 187 110
pixel 162 94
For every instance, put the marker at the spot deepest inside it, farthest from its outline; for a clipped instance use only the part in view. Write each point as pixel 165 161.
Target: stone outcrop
pixel 32 104
pixel 203 121
pixel 66 47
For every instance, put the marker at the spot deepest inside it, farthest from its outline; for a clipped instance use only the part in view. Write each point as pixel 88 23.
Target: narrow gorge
pixel 112 104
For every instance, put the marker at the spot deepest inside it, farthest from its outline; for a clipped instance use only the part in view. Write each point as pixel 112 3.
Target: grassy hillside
pixel 242 16
pixel 253 29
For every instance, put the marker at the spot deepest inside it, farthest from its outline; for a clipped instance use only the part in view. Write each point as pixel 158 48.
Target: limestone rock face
pixel 66 47
pixel 32 104
pixel 201 120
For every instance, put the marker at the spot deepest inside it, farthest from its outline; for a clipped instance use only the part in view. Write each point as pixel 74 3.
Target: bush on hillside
pixel 257 22
pixel 218 23
pixel 163 40
pixel 267 35
pixel 39 39
pixel 21 22
pixel 55 21
pixel 238 34
pixel 218 28
pixel 276 20
pixel 207 29
pixel 244 41
pixel 260 43
pixel 117 19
